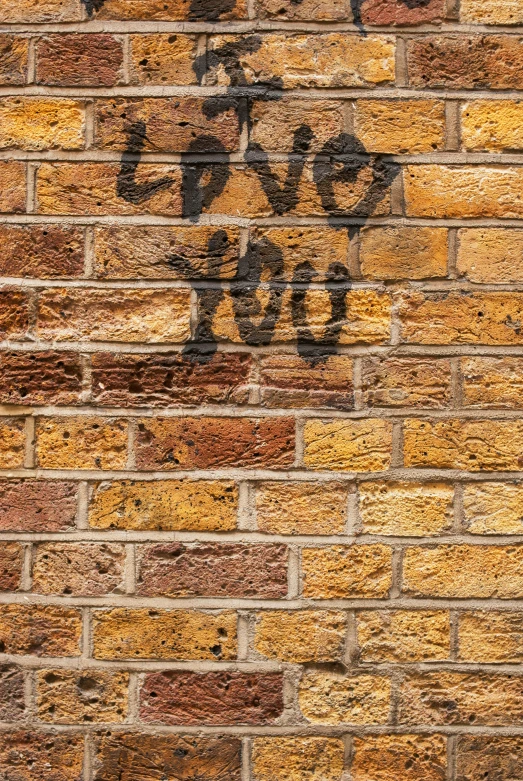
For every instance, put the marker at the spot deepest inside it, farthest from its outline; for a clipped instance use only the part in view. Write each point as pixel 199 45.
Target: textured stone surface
pixel 492 382
pixel 274 127
pixel 384 12
pixel 481 756
pixel 399 758
pixel 79 60
pixel 37 505
pixel 78 568
pixel 406 382
pixel 160 59
pixel 12 697
pixel 334 699
pixel 493 508
pixel 297 759
pixel 13 59
pixel 81 443
pixel 72 697
pixel 301 635
pixel 403 635
pixel 405 509
pixel 338 572
pixel 33 756
pixel 40 11
pixel 171 10
pixel 400 126
pixel 40 630
pixel 348 445
pixel 490 637
pixel 398 252
pixel 43 251
pixel 11 561
pixel 310 10
pixel 492 126
pixel 301 508
pixel 40 378
pixel 490 255
pixel 13 187
pixel 12 443
pixel 290 381
pixel 491 12
pixel 38 124
pixel 14 311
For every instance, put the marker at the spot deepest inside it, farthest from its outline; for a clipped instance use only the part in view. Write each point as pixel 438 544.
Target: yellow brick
pixel 81 443
pixel 406 509
pixel 75 697
pixel 396 252
pixel 40 123
pixel 297 759
pixel 472 445
pixel 79 568
pixel 40 630
pixel 403 635
pixel 12 443
pixel 301 635
pixel 493 508
pixel 400 126
pixel 163 59
pixel 319 246
pixel 356 699
pixel 491 11
pixel 168 10
pixel 464 571
pixel 491 254
pixel 32 11
pixel 492 125
pixel 165 505
pixel 342 571
pixel 493 382
pixel 274 123
pixel 302 508
pixel 406 382
pixel 491 636
pixel 399 758
pixel 348 445
pixel 124 633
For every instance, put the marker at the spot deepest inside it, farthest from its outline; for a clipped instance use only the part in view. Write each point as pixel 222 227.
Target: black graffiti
pixel 199 10
pixel 126 185
pixel 93 5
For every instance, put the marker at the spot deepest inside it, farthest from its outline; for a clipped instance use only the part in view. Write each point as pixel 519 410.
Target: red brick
pixel 41 630
pixel 226 698
pixel 41 756
pixel 14 314
pixel 11 694
pixel 37 505
pixel 385 12
pixel 44 251
pixel 11 560
pixel 290 381
pixel 13 59
pixel 40 378
pixel 214 570
pixel 79 60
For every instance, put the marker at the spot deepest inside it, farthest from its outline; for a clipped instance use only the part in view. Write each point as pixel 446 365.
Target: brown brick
pixel 301 508
pixel 78 568
pixel 464 571
pixel 37 505
pixel 39 756
pixel 73 696
pixel 12 187
pixel 79 60
pixel 203 443
pixel 166 252
pixel 226 698
pixel 492 382
pixel 355 699
pixel 165 505
pixel 493 508
pixel 66 314
pixel 291 758
pixel 347 571
pixel 43 251
pixel 490 254
pixel 11 562
pixel 170 379
pixel 41 123
pixel 385 12
pixel 462 318
pixel 301 635
pixel 163 59
pixel 399 758
pixel 395 252
pixel 466 62
pixel 461 698
pixel 33 11
pixel 276 124
pixel 310 10
pixel 406 509
pixel 400 126
pixel 213 570
pixel 81 443
pixel 144 757
pixel 348 445
pixel 406 382
pixel 172 10
pixel 14 314
pixel 479 756
pixel 403 635
pixel 291 381
pixel 491 12
pixel 40 630
pixel 491 125
pixel 11 693
pixel 40 378
pixel 322 248
pixel 318 60
pixel 141 633
pixel 13 59
pixel 12 443
pixel 98 189
pixel 489 636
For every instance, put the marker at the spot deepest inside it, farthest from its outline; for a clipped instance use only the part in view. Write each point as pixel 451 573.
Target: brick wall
pixel 261 378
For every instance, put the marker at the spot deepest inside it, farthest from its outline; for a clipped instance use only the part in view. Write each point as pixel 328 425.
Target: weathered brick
pixel 12 443
pixel 406 382
pixel 399 758
pixel 492 125
pixel 144 757
pixel 12 187
pixel 472 445
pixel 203 443
pixel 41 123
pixel 11 561
pixel 466 62
pixel 213 570
pixel 40 630
pixel 492 382
pixel 493 508
pixel 164 505
pixel 491 12
pixel 480 756
pixel 43 251
pixel 161 252
pixel 40 378
pixel 66 314
pixel 489 636
pixel 403 635
pixel 276 125
pixel 291 381
pixel 39 756
pixel 301 635
pixel 79 60
pixel 464 571
pixel 170 379
pixel 290 252
pixel 343 571
pixel 490 254
pixel 37 505
pixel 402 12
pixel 78 568
pixel 226 698
pixel 172 10
pixel 33 11
pixel 82 696
pixel 348 445
pixel 293 61
pixel 395 252
pixel 13 59
pixel 310 10
pixel 163 59
pixel 461 698
pixel 355 699
pixel 14 314
pixel 141 633
pixel 406 509
pixel 11 693
pixel 292 758
pixel 464 191
pixel 400 126
pixel 301 508
pixel 81 443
